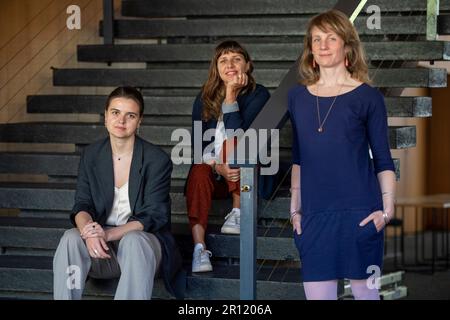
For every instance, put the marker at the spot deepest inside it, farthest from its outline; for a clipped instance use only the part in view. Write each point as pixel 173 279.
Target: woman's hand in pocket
pixel 296 223
pixel 377 218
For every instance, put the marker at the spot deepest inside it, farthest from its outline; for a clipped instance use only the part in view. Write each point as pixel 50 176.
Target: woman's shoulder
pixel 259 91
pixel 198 99
pixel 95 147
pixel 367 92
pixel 367 88
pixel 153 150
pixel 296 90
pixel 91 152
pixel 260 94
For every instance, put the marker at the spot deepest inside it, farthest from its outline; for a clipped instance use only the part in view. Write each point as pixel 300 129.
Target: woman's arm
pixel 241 117
pixel 82 219
pixel 387 181
pixel 377 132
pixel 154 213
pixel 296 199
pixel 83 198
pixel 377 129
pixel 117 233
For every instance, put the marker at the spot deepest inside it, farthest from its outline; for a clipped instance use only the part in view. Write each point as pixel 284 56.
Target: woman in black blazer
pixel 121 212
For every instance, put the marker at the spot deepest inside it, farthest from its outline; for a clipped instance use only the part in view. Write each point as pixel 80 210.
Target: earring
pixel 346 62
pixel 314 63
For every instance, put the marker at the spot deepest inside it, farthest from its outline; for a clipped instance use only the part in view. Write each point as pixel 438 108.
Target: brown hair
pixel 339 23
pixel 213 90
pixel 128 93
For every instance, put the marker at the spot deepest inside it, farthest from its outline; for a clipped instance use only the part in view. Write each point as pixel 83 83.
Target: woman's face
pixel 230 65
pixel 328 48
pixel 122 118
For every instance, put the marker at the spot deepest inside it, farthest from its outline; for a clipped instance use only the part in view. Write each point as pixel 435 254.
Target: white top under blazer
pixel 121 209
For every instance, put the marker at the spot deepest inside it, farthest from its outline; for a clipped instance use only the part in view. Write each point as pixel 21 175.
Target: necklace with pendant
pixel 321 123
pixel 120 156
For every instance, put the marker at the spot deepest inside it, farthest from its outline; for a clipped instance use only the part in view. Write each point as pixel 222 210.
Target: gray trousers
pixel 135 259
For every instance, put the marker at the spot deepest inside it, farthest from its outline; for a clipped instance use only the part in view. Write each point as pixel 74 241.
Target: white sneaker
pixel 232 223
pixel 200 260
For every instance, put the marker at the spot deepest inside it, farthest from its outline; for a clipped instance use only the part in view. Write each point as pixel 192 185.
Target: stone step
pixel 95 104
pixel 156 53
pixel 56 164
pixel 159 106
pixel 219 210
pixel 181 8
pixel 46 199
pixel 85 133
pixel 443 24
pixel 262 26
pixel 189 78
pixel 37 196
pixel 43 199
pixel 273 243
pixel 66 164
pixel 33 276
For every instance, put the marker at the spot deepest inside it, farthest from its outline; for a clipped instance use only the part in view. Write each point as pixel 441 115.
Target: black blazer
pixel 149 188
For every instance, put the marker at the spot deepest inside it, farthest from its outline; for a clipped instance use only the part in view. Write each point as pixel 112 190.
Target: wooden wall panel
pixel 17 61
pixel 44 42
pixel 15 15
pixel 439 142
pixel 54 44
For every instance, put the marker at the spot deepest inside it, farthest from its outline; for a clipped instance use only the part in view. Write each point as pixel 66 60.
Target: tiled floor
pixel 421 283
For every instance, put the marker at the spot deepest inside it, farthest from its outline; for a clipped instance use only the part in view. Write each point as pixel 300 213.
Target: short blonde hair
pixel 337 22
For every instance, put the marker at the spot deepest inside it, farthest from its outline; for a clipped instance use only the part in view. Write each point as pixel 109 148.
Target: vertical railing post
pixel 108 21
pixel 249 202
pixel 432 16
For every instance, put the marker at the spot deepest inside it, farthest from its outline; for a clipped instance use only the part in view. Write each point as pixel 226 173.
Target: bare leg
pixel 198 234
pixel 321 290
pixel 361 290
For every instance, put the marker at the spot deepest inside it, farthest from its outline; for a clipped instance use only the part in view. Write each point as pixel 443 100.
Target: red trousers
pixel 202 187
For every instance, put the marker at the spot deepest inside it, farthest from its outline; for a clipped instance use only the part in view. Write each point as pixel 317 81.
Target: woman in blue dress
pixel 341 198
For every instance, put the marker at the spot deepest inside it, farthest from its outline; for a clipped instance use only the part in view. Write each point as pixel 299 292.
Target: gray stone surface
pixel 395 50
pixel 163 107
pixel 179 78
pixel 266 26
pixel 159 8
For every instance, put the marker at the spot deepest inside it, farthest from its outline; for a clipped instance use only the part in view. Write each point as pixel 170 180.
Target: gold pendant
pixel 320 129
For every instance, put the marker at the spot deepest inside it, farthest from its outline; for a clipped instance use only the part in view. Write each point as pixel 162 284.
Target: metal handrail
pixel 108 22
pixel 432 17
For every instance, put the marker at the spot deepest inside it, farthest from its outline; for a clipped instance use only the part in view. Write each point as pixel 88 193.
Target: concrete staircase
pixel 175 69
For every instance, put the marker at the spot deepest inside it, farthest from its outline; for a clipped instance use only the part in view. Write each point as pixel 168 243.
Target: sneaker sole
pixel 230 230
pixel 205 269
